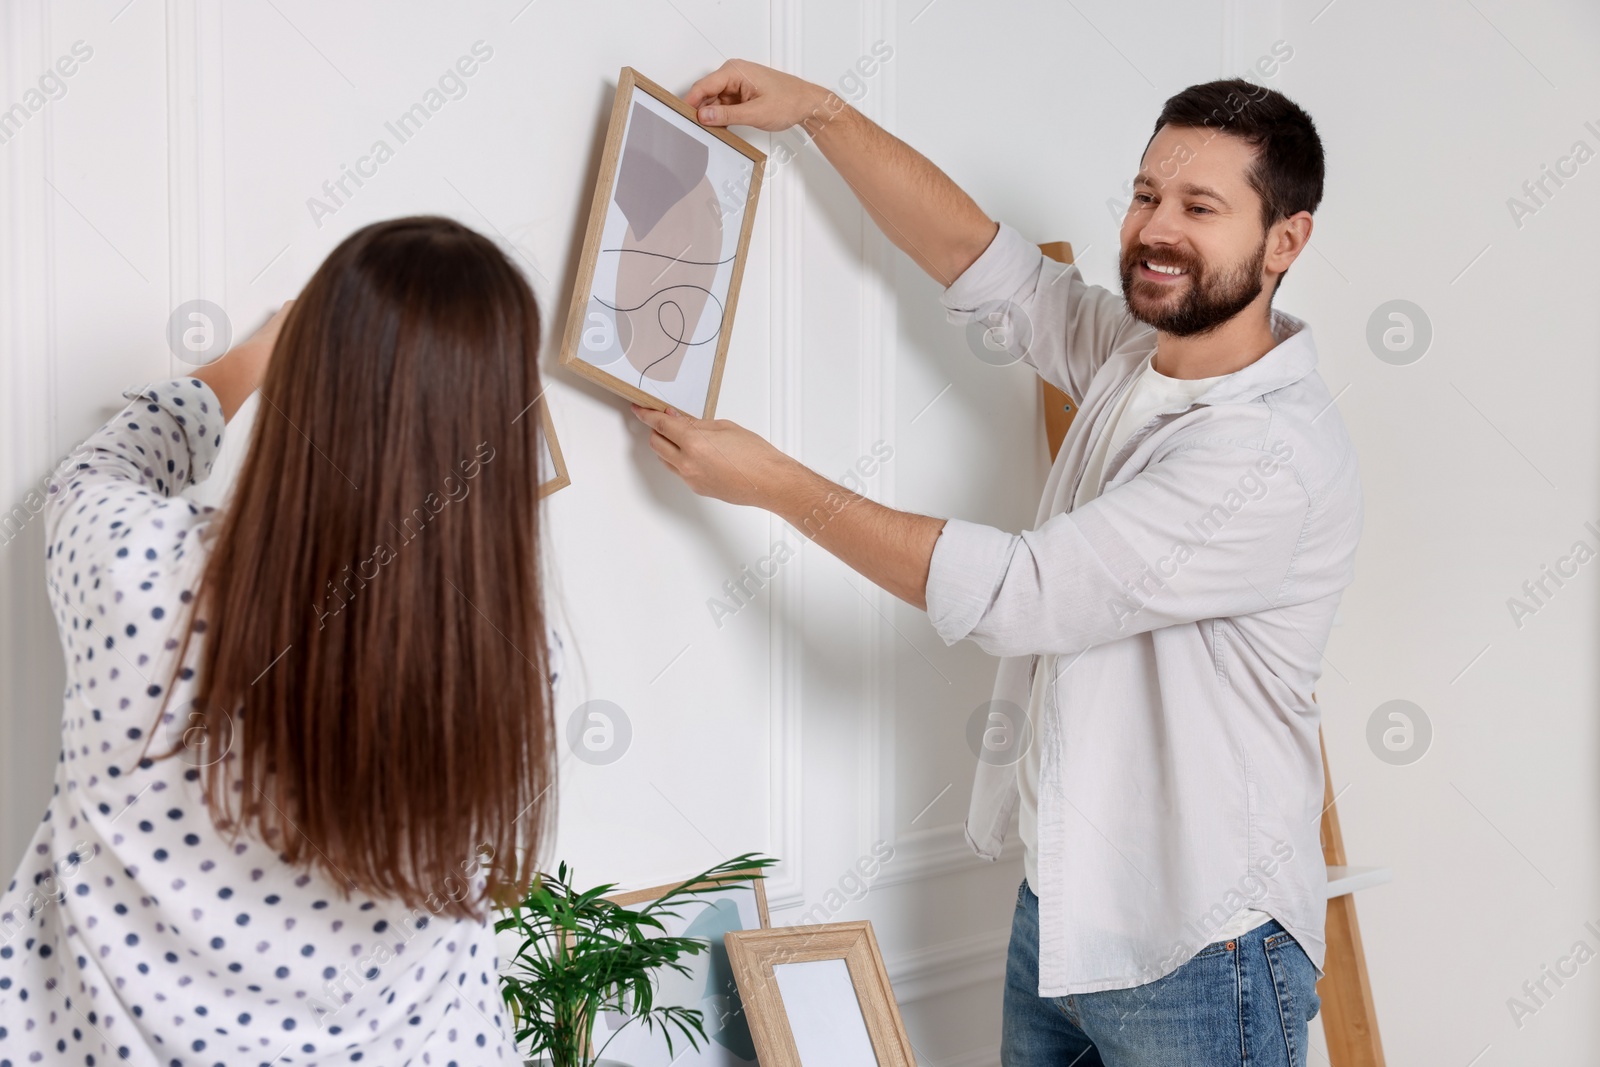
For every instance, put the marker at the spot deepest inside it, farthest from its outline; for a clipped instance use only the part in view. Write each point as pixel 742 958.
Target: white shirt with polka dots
pixel 133 932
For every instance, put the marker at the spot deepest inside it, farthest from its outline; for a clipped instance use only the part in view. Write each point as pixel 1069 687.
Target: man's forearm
pixel 927 216
pixel 892 549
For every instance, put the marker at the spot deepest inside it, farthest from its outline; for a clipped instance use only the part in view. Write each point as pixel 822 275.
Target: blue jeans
pixel 1246 1001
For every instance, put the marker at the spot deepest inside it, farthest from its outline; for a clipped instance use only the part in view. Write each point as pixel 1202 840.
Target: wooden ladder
pixel 1349 1021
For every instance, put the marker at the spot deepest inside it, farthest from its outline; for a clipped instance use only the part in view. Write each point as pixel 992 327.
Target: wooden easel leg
pixel 1349 1019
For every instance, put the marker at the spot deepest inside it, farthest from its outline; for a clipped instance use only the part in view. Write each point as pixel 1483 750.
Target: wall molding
pixel 29 431
pixel 941 849
pixel 879 350
pixel 978 959
pixel 196 181
pixel 785 887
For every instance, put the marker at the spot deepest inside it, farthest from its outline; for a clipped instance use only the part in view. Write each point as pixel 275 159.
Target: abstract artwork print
pixel 661 269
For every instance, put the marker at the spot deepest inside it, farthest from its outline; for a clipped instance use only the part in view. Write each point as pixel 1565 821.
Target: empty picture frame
pixel 552 464
pixel 709 986
pixel 669 230
pixel 818 996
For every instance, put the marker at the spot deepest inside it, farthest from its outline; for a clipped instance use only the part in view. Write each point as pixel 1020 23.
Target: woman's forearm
pixel 234 376
pixel 238 372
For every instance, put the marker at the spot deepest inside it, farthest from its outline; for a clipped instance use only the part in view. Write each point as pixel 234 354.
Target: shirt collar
pixel 1292 358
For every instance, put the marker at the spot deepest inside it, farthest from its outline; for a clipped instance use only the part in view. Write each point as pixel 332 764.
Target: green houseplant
pixel 580 953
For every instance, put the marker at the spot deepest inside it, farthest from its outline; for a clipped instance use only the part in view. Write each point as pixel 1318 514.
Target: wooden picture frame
pixel 798 984
pixel 664 253
pixel 551 446
pixel 727 1039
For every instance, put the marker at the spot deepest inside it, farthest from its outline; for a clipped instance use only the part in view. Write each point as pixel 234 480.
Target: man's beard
pixel 1207 302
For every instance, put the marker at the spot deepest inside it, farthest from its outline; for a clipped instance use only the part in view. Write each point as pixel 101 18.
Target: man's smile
pixel 1161 273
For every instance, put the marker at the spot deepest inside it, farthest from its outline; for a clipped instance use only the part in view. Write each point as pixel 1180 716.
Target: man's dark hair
pixel 1288 169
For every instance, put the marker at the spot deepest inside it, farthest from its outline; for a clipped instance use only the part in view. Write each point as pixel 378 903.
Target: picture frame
pixel 664 253
pixel 818 994
pixel 711 987
pixel 550 458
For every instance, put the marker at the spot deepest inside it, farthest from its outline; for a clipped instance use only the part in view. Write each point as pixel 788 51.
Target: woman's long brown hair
pixel 373 684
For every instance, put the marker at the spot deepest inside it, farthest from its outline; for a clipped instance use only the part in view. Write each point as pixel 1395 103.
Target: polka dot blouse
pixel 133 932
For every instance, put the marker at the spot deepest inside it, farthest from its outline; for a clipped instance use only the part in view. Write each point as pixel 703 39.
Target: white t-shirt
pixel 1151 392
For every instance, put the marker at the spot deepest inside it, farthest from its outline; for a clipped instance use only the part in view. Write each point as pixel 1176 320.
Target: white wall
pixel 1480 466
pixel 827 718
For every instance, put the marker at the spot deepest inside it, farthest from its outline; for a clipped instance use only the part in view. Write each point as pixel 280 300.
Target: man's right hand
pixel 913 202
pixel 742 93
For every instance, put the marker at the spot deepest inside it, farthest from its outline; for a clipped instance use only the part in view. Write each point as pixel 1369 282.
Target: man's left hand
pixel 718 458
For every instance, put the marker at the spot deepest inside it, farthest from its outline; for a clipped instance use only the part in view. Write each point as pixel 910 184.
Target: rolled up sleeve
pixel 1208 531
pixel 1007 269
pixel 1024 305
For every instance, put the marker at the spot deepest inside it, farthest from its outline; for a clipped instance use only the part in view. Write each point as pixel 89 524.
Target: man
pixel 1163 622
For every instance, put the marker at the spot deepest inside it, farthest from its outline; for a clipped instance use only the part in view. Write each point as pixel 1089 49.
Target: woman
pixel 307 738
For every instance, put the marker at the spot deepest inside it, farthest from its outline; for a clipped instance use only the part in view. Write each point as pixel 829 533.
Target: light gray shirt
pixel 1150 392
pixel 1186 607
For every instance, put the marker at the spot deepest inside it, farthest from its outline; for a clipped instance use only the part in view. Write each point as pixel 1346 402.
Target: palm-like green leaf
pixel 580 953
